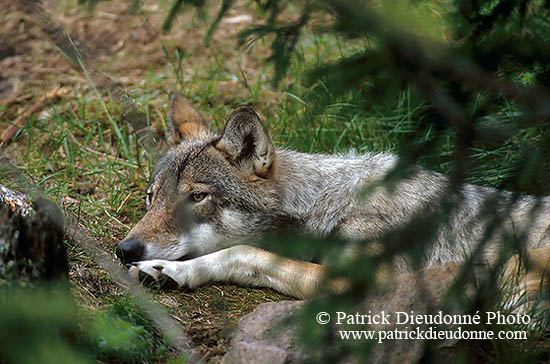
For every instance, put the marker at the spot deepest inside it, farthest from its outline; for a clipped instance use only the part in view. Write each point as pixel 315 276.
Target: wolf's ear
pixel 245 143
pixel 187 121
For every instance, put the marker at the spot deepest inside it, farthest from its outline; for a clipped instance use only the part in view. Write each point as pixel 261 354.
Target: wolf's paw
pixel 170 274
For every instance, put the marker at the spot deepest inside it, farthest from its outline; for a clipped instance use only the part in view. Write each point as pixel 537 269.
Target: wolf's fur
pixel 211 194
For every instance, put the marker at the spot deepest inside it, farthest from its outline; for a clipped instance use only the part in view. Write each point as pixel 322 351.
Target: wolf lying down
pixel 237 185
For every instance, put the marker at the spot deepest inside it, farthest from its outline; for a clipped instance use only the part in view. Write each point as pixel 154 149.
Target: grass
pixel 84 155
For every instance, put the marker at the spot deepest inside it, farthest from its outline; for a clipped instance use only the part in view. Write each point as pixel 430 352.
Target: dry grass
pixel 74 155
pixel 87 153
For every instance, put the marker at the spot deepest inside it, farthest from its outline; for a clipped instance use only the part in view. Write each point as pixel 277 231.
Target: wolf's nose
pixel 129 251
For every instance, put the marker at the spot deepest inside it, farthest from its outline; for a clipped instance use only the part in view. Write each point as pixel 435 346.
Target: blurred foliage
pixel 474 74
pixel 38 327
pixel 475 78
pixel 44 325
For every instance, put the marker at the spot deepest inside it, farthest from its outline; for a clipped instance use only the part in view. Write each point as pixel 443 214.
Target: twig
pixel 76 52
pixel 51 96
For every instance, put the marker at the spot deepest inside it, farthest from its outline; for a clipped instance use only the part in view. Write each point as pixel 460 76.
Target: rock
pixel 31 245
pixel 260 337
pixel 269 333
pixel 422 293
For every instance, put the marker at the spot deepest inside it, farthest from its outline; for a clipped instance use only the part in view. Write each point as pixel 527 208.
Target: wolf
pixel 213 195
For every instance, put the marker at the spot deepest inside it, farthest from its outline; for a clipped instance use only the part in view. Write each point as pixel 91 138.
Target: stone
pixel 269 333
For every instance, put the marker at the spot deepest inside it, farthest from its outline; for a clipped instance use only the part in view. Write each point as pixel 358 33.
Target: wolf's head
pixel 209 191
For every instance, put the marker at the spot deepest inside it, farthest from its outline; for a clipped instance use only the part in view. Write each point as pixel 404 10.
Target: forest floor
pixel 75 156
pixel 93 152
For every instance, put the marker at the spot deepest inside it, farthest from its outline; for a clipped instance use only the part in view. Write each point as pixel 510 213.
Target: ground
pixel 73 154
pixel 93 152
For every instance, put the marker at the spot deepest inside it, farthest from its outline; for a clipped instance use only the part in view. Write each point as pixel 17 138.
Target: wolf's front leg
pixel 243 265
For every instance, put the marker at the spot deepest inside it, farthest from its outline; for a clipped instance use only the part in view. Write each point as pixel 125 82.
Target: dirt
pixel 128 48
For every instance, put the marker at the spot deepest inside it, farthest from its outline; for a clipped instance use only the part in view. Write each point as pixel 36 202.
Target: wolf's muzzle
pixel 129 251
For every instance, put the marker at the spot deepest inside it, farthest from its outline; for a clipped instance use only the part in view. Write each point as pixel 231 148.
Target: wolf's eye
pixel 198 196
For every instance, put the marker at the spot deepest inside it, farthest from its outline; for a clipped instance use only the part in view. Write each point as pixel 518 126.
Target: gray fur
pixel 252 188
